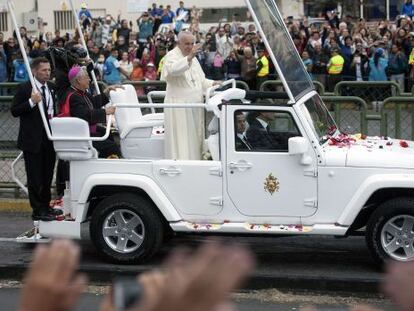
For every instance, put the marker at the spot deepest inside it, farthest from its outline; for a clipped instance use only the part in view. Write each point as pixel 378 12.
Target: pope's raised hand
pixel 196 48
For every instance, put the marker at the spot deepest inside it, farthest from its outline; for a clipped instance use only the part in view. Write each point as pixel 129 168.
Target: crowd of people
pixel 333 50
pixel 123 50
pixel 345 49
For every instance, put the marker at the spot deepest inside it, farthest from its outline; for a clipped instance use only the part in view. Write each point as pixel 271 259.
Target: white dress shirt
pixel 49 99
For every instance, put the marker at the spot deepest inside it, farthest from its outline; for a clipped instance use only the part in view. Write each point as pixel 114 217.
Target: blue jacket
pixel 85 12
pixel 378 73
pixel 111 72
pixel 407 9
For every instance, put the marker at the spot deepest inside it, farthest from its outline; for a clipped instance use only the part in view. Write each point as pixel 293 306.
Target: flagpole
pixel 10 5
pixel 76 17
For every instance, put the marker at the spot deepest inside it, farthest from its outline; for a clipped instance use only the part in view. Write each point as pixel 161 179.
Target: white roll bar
pixel 76 17
pixel 14 176
pixel 155 94
pixel 210 90
pixel 165 105
pixel 40 104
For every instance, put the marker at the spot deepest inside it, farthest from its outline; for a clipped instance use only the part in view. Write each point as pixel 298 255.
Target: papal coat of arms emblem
pixel 271 184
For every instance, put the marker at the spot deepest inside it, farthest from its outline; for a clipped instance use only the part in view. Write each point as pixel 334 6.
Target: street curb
pixel 258 281
pixel 15 205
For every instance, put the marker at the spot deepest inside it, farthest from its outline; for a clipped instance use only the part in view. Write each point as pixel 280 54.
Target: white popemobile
pixel 316 181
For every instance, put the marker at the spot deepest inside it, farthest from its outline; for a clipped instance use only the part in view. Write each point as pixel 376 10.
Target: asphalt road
pixel 307 262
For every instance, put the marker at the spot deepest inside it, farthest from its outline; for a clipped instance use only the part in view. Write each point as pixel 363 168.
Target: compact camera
pixel 126 292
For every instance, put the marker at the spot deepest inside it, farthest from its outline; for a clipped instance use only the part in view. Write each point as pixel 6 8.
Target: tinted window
pixel 261 130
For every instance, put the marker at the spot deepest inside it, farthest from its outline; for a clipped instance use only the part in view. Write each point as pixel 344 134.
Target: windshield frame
pixel 330 127
pixel 283 31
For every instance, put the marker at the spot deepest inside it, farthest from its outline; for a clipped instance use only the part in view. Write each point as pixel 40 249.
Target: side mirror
pixel 300 145
pixel 297 145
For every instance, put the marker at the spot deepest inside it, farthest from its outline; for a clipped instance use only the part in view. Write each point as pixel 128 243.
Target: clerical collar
pixel 78 90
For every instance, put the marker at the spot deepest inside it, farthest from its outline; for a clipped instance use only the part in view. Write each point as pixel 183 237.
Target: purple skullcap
pixel 73 72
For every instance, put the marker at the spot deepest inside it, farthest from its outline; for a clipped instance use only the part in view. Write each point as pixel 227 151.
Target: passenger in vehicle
pixel 258 133
pixel 241 142
pixel 81 104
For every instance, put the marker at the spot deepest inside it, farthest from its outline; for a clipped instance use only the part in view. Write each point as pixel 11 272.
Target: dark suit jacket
pixel 80 109
pixel 32 134
pixel 241 145
pixel 259 138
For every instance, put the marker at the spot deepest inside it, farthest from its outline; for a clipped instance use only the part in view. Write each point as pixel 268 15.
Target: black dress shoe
pixel 55 211
pixel 46 217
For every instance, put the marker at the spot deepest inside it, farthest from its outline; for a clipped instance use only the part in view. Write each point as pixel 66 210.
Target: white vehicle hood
pixel 371 152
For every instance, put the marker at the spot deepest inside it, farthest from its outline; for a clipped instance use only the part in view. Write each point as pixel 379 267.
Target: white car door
pixel 193 187
pixel 263 179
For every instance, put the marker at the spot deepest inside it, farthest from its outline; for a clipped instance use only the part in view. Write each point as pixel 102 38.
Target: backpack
pixel 20 70
pixel 64 107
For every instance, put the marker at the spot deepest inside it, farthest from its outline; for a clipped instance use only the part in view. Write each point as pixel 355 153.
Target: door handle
pixel 241 165
pixel 171 171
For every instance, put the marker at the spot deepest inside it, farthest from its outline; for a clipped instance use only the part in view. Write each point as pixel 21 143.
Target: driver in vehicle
pixel 241 142
pixel 81 104
pixel 259 133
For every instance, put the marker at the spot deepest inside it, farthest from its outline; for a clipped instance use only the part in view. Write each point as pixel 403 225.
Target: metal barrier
pixel 276 85
pixel 9 129
pixel 372 92
pixel 349 113
pixel 397 117
pixel 8 88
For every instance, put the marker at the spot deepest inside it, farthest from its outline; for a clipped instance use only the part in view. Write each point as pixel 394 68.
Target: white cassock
pixel 184 127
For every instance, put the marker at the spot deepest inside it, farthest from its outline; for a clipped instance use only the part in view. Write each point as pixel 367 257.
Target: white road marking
pixel 27 241
pixel 7 239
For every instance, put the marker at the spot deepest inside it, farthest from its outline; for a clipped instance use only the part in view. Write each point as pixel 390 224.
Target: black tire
pixel 385 212
pixel 127 204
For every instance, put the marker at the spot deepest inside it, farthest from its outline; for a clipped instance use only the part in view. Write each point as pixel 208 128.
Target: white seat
pixel 141 136
pixel 72 150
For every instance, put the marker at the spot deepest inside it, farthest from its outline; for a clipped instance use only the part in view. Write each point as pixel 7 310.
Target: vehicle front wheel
pixel 390 231
pixel 126 228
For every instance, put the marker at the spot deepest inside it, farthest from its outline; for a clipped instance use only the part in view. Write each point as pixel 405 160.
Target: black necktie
pixel 267 128
pixel 44 99
pixel 246 142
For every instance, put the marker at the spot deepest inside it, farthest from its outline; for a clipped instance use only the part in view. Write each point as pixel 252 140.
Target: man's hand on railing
pixel 110 110
pixel 112 88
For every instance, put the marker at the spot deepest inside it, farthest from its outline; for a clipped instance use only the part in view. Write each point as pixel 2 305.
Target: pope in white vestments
pixel 186 83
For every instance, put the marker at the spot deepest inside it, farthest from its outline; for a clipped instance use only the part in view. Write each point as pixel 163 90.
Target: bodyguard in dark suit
pixel 38 152
pixel 241 142
pixel 259 134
